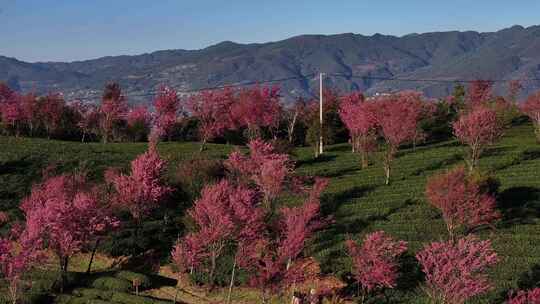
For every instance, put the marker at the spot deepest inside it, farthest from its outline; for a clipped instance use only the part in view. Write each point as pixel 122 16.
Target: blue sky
pixel 67 30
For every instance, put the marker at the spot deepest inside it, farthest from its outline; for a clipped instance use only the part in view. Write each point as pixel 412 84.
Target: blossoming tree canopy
pixel 142 190
pixel 456 271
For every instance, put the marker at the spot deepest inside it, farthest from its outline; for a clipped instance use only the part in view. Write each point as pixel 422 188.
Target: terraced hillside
pixel 357 200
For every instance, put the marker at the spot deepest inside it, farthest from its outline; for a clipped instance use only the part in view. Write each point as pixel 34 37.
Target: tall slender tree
pixel 478 129
pixel 531 108
pixel 167 107
pixel 213 109
pixel 359 117
pixel 112 110
pixel 398 117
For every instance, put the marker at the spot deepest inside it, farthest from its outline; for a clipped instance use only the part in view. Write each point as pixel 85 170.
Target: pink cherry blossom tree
pixel 293 115
pixel 514 88
pixel 271 258
pixel 64 215
pixel 143 189
pixel 139 120
pixel 359 117
pixel 223 214
pixel 89 117
pixel 263 167
pixel 478 129
pixel 257 108
pixel 375 262
pixel 456 271
pixel 31 110
pixel 51 109
pixel 213 109
pixel 17 256
pixel 462 203
pixel 167 106
pixel 531 108
pixel 12 113
pixel 5 92
pixel 479 93
pixel 398 118
pixel 112 110
pixel 186 255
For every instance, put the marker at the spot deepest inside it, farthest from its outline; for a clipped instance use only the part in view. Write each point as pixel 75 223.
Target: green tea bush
pixel 111 283
pixel 92 293
pixel 130 276
pixel 126 298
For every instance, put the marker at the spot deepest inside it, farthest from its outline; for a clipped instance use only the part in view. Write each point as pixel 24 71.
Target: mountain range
pixel 351 61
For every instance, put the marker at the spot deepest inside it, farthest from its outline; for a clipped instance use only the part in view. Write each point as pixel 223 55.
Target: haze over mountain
pixel 512 53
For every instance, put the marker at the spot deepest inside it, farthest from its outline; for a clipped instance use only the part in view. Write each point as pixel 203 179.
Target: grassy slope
pixel 357 199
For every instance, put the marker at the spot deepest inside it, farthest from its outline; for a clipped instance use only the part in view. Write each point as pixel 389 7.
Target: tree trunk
pixel 176 294
pixel 387 174
pixel 92 256
pixel 203 143
pixel 212 270
pixel 232 282
pixel 364 159
pixel 291 127
pixel 63 272
pixel 13 291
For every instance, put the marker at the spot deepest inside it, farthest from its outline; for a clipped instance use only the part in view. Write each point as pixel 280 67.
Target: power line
pixel 209 88
pixel 348 76
pixel 430 79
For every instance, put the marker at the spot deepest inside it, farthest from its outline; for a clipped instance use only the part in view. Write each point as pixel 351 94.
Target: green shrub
pixel 113 284
pixel 67 299
pixel 130 276
pixel 126 298
pixel 92 293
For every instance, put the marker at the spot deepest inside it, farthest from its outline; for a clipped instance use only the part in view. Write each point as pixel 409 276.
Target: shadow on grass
pixel 22 165
pixel 439 164
pixel 161 281
pixel 315 160
pixel 339 173
pixel 519 205
pixel 344 227
pixel 331 202
pixel 497 151
pixel 339 148
pixel 530 279
pixel 411 275
pixel 526 155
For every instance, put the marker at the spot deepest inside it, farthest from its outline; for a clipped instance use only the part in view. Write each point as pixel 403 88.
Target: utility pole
pixel 321 75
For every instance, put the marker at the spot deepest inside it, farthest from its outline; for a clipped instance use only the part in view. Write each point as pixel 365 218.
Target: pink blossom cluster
pixel 531 108
pixel 525 297
pixel 461 201
pixel 167 107
pixel 478 129
pixel 456 271
pixel 257 107
pixel 375 262
pixel 142 190
pixel 214 112
pixel 63 211
pixel 264 167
